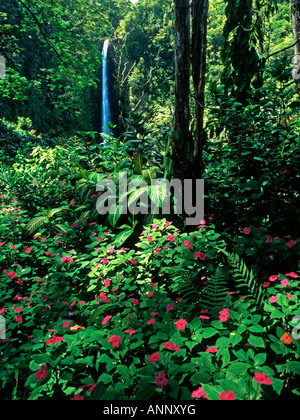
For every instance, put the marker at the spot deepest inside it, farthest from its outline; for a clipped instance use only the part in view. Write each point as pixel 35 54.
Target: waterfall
pixel 105 113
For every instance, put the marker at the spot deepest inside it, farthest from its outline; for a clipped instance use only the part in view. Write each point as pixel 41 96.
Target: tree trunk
pixel 199 44
pixel 181 136
pixel 295 7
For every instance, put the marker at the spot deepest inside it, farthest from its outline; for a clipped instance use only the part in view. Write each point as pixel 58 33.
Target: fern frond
pixel 244 278
pixel 35 223
pixel 216 290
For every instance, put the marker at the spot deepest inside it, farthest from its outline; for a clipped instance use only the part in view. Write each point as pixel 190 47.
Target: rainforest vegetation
pixel 140 304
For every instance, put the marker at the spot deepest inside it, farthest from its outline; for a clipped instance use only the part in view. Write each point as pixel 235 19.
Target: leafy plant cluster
pixel 159 312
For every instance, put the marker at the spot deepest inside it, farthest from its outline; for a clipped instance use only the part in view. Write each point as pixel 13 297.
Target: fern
pixel 244 278
pixel 216 290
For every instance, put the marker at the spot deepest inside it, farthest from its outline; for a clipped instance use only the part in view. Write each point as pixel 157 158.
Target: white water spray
pixel 106 114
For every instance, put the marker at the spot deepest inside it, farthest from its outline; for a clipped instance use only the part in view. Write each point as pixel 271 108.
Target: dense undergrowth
pixel 144 308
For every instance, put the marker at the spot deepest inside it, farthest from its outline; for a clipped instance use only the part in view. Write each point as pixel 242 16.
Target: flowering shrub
pixel 164 319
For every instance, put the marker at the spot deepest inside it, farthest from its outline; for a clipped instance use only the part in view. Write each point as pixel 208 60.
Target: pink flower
pixel 261 378
pixel 227 396
pixel 104 261
pixel 291 243
pixel 133 261
pixel 187 244
pixel 12 275
pixel 111 250
pixel 151 321
pixel 106 319
pixel 66 324
pixel 212 350
pixel 18 318
pixel 2 243
pixel 169 307
pixel 107 283
pixel 273 299
pixel 273 278
pixel 171 346
pixel 130 332
pixel 171 238
pixel 168 224
pixel 199 255
pixel 41 373
pixel 150 238
pixel 181 324
pixel 149 294
pixel 12 246
pixel 289 296
pixel 152 284
pixel 27 250
pixel 199 393
pixel 114 340
pixel 67 260
pixel 270 239
pixel 266 284
pixel 54 340
pixel 134 301
pixel 246 230
pixel 292 274
pixel 161 380
pixel 99 239
pixel 284 282
pixel 49 254
pixel 154 357
pixel 224 315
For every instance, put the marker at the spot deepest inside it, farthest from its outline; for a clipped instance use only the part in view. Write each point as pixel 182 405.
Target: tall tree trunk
pixel 181 136
pixel 295 7
pixel 199 44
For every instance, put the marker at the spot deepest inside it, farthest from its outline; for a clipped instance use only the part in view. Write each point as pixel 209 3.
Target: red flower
pixel 169 307
pixel 199 393
pixel 181 324
pixel 199 255
pixel 106 319
pixel 18 318
pixel 54 340
pixel 261 378
pixel 246 231
pixel 224 315
pixel 41 373
pixel 134 301
pixel 154 357
pixel 114 340
pixel 212 350
pixel 292 274
pixel 130 332
pixel 161 380
pixel 187 244
pixel 12 275
pixel 171 346
pixel 229 396
pixel 171 238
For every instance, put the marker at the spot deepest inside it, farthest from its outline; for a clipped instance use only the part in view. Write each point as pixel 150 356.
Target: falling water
pixel 106 115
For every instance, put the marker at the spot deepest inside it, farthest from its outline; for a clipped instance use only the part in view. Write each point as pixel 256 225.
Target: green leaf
pixel 293 366
pixel 256 341
pixel 238 368
pixel 209 332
